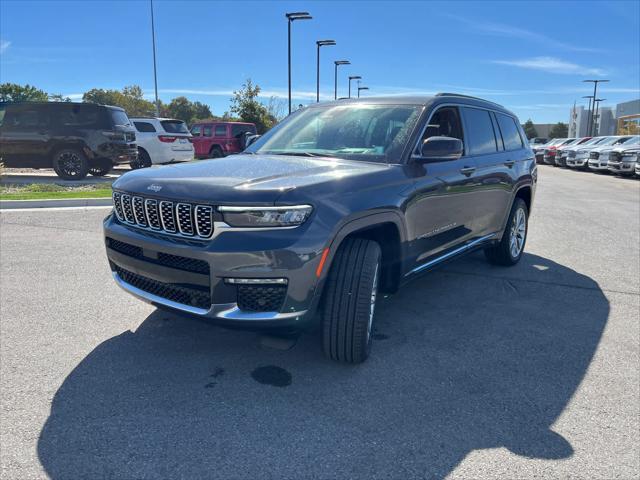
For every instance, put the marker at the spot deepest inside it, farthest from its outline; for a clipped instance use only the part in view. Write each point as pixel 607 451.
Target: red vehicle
pixel 219 139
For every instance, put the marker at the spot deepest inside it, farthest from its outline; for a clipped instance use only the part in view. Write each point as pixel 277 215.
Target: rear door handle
pixel 510 163
pixel 467 170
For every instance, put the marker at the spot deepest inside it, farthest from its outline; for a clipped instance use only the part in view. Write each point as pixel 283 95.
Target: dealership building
pixel 622 119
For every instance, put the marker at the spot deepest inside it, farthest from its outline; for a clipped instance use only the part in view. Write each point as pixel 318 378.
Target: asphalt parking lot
pixel 476 371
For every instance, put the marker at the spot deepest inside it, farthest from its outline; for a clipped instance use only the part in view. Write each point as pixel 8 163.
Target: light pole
pixel 355 77
pixel 290 19
pixel 155 75
pixel 588 131
pixel 320 43
pixel 361 88
pixel 335 76
pixel 597 102
pixel 595 94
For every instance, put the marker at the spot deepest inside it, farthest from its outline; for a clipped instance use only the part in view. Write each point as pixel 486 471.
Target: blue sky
pixel 528 56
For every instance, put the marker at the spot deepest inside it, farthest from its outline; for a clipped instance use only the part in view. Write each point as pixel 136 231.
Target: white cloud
pixel 4 45
pixel 502 30
pixel 552 65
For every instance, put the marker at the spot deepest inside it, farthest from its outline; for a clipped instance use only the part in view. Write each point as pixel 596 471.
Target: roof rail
pixel 448 94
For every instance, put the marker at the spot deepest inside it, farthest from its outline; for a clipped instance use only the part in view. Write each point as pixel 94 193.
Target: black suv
pixel 72 138
pixel 339 202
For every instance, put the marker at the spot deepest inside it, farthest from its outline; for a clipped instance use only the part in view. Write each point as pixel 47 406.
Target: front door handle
pixel 510 163
pixel 467 170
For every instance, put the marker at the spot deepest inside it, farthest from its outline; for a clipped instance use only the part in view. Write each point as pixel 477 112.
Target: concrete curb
pixel 70 202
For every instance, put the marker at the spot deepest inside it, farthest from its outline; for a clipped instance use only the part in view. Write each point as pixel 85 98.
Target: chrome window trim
pixel 177 216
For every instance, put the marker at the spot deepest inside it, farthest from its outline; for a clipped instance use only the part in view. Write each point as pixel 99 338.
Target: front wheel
pixel 143 160
pixel 350 300
pixel 70 164
pixel 511 247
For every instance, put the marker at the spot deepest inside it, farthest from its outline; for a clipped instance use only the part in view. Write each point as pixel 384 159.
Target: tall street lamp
pixel 335 76
pixel 588 131
pixel 291 17
pixel 361 88
pixel 595 94
pixel 320 43
pixel 355 77
pixel 597 101
pixel 155 75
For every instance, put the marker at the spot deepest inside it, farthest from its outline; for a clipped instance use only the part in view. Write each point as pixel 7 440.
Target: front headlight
pixel 248 217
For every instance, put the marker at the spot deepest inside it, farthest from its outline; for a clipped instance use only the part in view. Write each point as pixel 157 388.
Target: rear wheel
pixel 101 168
pixel 143 160
pixel 215 152
pixel 511 247
pixel 70 164
pixel 350 299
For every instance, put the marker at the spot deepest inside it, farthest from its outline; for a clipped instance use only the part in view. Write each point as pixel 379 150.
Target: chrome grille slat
pixel 184 218
pixel 138 211
pixel 204 220
pixel 164 216
pixel 167 216
pixel 117 205
pixel 127 208
pixel 153 215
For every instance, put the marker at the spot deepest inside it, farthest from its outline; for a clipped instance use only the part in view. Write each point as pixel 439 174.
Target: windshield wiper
pixel 299 153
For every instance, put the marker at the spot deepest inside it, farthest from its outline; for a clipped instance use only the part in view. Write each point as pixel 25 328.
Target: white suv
pixel 161 140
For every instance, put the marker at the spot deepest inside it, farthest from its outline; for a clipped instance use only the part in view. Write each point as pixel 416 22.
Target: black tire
pixel 349 301
pixel 101 168
pixel 215 152
pixel 70 164
pixel 503 253
pixel 143 160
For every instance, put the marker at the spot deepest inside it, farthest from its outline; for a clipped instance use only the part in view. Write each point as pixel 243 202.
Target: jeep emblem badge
pixel 155 188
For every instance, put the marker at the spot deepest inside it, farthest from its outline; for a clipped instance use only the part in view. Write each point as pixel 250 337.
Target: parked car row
pixel 618 154
pixel 76 139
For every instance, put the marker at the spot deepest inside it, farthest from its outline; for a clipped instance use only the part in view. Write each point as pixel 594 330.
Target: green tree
pixel 186 110
pixel 131 98
pixel 12 92
pixel 245 105
pixel 559 130
pixel 530 129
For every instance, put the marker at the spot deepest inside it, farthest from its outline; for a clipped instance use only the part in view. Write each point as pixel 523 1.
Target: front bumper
pixel 622 167
pixel 281 254
pixel 598 164
pixel 549 159
pixel 578 161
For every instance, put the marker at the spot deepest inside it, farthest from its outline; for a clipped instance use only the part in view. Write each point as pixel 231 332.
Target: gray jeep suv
pixel 338 203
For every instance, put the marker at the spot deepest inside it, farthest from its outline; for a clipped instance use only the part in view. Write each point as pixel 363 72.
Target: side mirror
pixel 249 139
pixel 440 149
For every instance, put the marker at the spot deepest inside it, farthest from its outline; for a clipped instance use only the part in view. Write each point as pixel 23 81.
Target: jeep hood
pixel 240 178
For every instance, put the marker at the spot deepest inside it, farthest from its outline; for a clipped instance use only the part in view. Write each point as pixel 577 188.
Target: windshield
pixel 119 117
pixel 631 141
pixel 372 133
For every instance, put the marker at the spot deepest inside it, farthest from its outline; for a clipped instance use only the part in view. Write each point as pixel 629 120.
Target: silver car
pixel 583 155
pixel 578 156
pixel 623 160
pixel 599 156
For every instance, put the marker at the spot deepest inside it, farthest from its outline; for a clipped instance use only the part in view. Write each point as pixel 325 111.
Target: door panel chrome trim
pixel 451 254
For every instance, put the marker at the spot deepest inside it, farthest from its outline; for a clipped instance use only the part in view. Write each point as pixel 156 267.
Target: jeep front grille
pixel 162 215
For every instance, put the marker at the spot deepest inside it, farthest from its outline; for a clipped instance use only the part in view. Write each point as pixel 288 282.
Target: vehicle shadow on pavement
pixel 469 357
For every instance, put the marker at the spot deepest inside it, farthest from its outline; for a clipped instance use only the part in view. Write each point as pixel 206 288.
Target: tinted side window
pixel 510 134
pixel 444 123
pixel 80 116
pixel 207 131
pixel 221 130
pixel 26 118
pixel 237 130
pixel 480 135
pixel 196 130
pixel 144 127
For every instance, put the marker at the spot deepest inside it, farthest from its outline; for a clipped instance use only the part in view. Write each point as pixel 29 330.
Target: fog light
pixel 256 281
